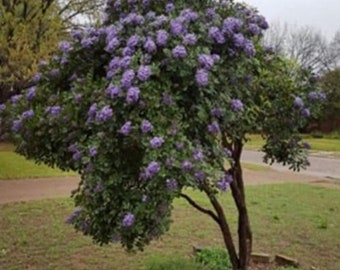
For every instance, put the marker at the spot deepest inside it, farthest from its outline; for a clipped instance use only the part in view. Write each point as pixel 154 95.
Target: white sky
pixel 323 15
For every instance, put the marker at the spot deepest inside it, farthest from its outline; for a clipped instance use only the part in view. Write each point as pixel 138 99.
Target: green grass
pixel 326 144
pixel 14 166
pixel 298 220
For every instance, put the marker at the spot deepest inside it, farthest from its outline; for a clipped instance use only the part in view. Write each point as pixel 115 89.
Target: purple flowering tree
pixel 159 98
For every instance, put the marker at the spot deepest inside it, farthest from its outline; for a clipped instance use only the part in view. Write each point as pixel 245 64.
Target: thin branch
pixel 200 208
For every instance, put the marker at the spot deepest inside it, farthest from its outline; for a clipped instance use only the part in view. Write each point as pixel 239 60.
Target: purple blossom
pixel 189 15
pixel 210 14
pixel 115 63
pixel 190 39
pixel 171 184
pixel 104 114
pixel 15 98
pixel 232 25
pixel 179 52
pixel 54 110
pixel 72 218
pixel 127 78
pixel 216 35
pixel 132 95
pixel 206 61
pixel 224 183
pixel 160 20
pixel 146 126
pixel 306 112
pixel 187 166
pixel 93 151
pixel 125 62
pixel 176 27
pixel 127 51
pixel 202 77
pixel 150 45
pixel 31 92
pixel 162 37
pixel 77 155
pixel 198 155
pixel 28 114
pixel 214 128
pixel 93 110
pixel 169 7
pixel 2 107
pixel 144 73
pixel 298 103
pixel 112 45
pixel 152 169
pixel 313 96
pixel 16 125
pixel 217 112
pixel 249 47
pixel 128 220
pixel 36 78
pixel 227 152
pixel 126 128
pixel 77 34
pixel 199 176
pixel 113 91
pixel 237 105
pixel 65 46
pixel 133 41
pixel 239 40
pixel 156 142
pixel 254 29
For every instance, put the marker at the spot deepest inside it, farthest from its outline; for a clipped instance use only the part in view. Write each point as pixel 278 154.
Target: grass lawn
pixel 298 220
pixel 317 144
pixel 14 166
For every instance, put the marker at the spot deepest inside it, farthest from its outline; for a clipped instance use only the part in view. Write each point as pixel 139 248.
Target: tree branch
pixel 200 208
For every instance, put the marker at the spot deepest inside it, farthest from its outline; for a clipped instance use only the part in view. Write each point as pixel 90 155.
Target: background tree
pixel 330 83
pixel 155 100
pixel 30 31
pixel 304 44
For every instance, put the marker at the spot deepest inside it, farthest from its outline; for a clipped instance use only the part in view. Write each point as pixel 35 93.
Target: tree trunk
pixel 244 231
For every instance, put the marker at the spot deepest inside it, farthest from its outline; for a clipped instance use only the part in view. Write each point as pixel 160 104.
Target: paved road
pixel 320 166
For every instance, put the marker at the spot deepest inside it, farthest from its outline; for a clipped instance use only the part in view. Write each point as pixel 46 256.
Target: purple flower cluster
pixel 231 26
pixel 2 107
pixel 132 95
pixel 171 184
pixel 190 39
pixel 144 73
pixel 126 128
pixel 28 114
pixel 198 155
pixel 237 105
pixel 104 114
pixel 224 183
pixel 187 166
pixel 150 46
pixel 202 77
pixel 30 94
pixel 179 52
pixel 127 78
pixel 16 125
pixel 206 61
pixel 113 91
pixel 217 112
pixel 162 37
pixel 214 128
pixel 199 176
pixel 152 169
pixel 128 220
pixel 76 213
pixel 93 151
pixel 65 46
pixel 146 126
pixel 298 103
pixel 53 110
pixel 156 142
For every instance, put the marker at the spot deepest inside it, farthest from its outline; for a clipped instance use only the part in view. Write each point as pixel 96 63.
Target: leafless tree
pixel 304 44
